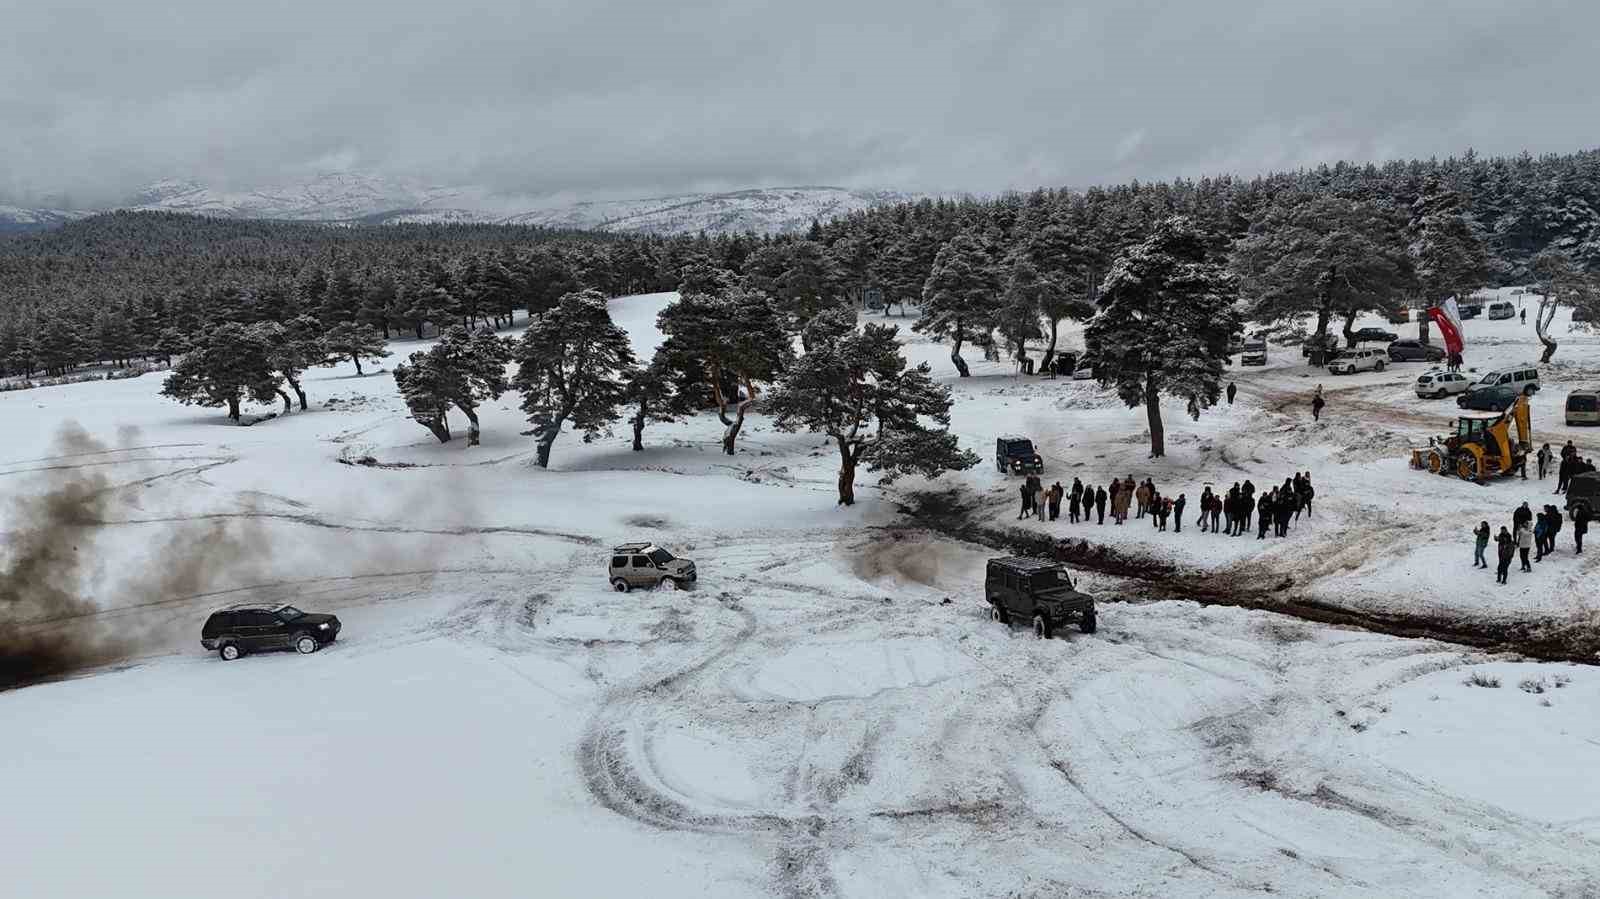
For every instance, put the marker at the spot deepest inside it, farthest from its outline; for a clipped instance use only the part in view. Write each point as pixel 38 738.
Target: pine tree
pixel 809 283
pixel 58 344
pixel 1447 249
pixel 294 346
pixel 854 387
pixel 354 342
pixel 733 339
pixel 1322 256
pixel 961 297
pixel 653 396
pixel 1166 311
pixel 224 366
pixel 462 370
pixel 574 365
pixel 1019 316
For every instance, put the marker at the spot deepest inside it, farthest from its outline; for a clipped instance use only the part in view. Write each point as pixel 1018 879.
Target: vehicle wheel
pixel 230 652
pixel 995 615
pixel 1440 395
pixel 1041 627
pixel 1466 468
pixel 1377 366
pixel 1087 623
pixel 1436 463
pixel 619 585
pixel 305 644
pixel 669 584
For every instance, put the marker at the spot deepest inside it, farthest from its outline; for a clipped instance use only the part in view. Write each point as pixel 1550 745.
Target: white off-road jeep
pixel 647 565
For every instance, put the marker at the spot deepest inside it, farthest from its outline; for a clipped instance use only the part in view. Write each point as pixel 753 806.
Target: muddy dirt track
pixel 1548 639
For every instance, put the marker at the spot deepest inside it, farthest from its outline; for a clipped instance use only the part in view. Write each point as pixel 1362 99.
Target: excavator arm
pixel 1519 411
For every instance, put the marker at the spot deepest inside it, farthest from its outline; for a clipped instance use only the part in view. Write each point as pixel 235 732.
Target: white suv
pixel 1352 361
pixel 1438 383
pixel 647 565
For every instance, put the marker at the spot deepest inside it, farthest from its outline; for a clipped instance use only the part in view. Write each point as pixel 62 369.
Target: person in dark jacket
pixel 1077 500
pixel 1541 533
pixel 1555 528
pixel 1027 501
pixel 1100 505
pixel 1216 512
pixel 1507 549
pixel 1544 457
pixel 1248 494
pixel 1205 507
pixel 1520 516
pixel 1580 527
pixel 1054 495
pixel 1317 402
pixel 1283 511
pixel 1264 515
pixel 1177 514
pixel 1481 543
pixel 1231 391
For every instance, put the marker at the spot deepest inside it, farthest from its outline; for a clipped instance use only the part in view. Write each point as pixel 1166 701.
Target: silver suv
pixel 647 565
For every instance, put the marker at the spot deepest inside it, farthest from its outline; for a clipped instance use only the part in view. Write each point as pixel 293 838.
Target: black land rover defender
pixel 1019 588
pixel 253 627
pixel 1015 455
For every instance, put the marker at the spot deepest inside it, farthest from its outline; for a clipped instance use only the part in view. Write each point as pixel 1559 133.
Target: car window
pixel 619 561
pixel 641 562
pixel 660 556
pixel 257 619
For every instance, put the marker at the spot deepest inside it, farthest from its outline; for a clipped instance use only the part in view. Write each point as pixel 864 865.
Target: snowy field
pixel 829 712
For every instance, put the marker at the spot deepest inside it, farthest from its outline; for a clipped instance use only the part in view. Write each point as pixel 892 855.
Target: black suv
pixel 1037 590
pixel 1016 455
pixel 253 627
pixel 1375 335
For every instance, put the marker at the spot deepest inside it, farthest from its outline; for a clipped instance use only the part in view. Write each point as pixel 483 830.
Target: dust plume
pixel 48 626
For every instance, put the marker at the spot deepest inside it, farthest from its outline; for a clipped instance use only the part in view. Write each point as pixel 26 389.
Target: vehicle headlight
pixel 324 625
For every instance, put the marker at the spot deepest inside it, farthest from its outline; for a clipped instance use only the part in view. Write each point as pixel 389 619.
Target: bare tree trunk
pixel 1152 410
pixel 847 475
pixel 295 383
pixel 233 408
pixel 1349 329
pixel 1541 324
pixel 440 427
pixel 356 358
pixel 287 406
pixel 730 432
pixel 955 353
pixel 638 426
pixel 472 423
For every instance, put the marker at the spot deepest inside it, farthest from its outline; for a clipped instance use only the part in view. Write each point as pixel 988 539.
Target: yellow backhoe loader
pixel 1481 447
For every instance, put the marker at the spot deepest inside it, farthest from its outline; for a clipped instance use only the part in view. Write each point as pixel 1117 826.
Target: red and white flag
pixel 1447 316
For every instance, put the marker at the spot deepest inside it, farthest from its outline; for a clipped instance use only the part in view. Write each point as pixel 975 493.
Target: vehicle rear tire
pixel 229 651
pixel 669 584
pixel 619 585
pixel 1377 366
pixel 305 644
pixel 1087 623
pixel 1041 627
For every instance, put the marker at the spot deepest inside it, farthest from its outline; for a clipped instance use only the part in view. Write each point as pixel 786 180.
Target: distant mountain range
pixel 346 197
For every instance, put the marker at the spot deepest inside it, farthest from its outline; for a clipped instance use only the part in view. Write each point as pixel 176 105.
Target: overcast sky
pixel 633 97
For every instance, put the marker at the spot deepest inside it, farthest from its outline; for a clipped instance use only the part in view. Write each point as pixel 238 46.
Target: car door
pixel 257 629
pixel 1021 601
pixel 642 573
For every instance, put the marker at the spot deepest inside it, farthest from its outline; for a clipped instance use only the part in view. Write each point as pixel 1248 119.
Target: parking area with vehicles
pixel 832 711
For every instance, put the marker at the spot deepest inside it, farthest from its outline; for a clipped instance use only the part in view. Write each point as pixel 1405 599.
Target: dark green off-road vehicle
pixel 1040 591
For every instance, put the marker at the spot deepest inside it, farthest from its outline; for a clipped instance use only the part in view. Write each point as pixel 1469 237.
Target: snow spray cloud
pixel 48 627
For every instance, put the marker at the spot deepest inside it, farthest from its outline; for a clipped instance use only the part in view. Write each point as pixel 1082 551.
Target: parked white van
pixel 1522 377
pixel 1501 309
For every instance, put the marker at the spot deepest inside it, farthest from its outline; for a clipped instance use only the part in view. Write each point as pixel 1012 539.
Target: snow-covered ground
pixel 813 718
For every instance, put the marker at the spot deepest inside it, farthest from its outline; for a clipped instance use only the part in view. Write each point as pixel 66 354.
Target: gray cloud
pixel 623 97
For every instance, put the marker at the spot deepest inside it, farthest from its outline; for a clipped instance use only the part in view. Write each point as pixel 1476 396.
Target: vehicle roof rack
pixel 1026 563
pixel 631 547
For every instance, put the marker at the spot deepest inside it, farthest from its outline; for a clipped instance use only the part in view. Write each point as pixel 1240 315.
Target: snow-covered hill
pixel 379 199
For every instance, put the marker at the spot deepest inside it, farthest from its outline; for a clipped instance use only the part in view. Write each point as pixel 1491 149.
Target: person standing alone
pixel 1481 536
pixel 1177 514
pixel 1580 526
pixel 1316 404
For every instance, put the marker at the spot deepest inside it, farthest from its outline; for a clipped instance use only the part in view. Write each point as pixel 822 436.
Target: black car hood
pixel 1059 595
pixel 314 618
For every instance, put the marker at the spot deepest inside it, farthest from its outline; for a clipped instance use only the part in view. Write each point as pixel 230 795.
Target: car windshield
pixel 659 556
pixel 289 613
pixel 1020 448
pixel 1051 580
pixel 1582 403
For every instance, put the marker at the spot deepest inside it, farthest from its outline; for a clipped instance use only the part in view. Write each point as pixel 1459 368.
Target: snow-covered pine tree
pixel 1166 311
pixel 462 370
pixel 294 346
pixel 348 340
pixel 854 386
pixel 573 365
pixel 1019 316
pixel 961 298
pixel 1447 249
pixel 1324 256
pixel 733 339
pixel 223 366
pixel 653 395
